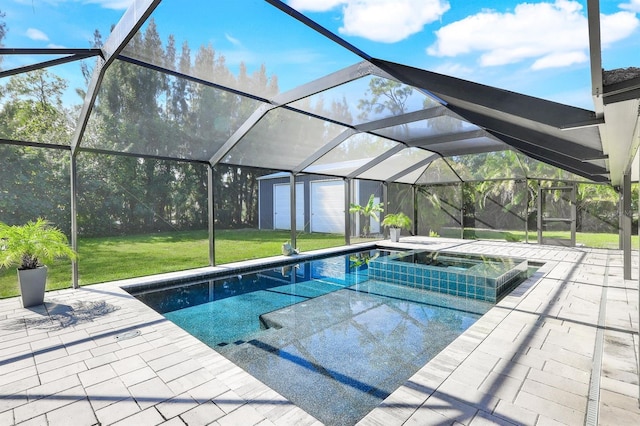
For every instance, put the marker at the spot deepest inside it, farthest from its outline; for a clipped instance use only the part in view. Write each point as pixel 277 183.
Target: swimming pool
pixel 321 333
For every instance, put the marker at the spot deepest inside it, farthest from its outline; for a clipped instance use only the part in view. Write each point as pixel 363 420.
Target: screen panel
pixel 282 139
pixel 351 154
pixel 262 49
pixel 146 112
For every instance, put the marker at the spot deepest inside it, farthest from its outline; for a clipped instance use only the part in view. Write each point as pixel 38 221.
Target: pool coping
pixel 242 267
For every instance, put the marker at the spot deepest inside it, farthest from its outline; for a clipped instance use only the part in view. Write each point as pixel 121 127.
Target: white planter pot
pixel 394 234
pixel 32 283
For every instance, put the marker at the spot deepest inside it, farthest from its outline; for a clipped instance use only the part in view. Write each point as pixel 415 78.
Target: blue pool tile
pixel 480 292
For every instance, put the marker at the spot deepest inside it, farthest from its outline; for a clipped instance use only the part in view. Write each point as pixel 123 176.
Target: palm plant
pixel 397 220
pixel 32 245
pixel 28 247
pixel 368 210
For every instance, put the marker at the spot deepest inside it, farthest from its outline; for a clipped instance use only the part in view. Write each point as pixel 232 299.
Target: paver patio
pixel 98 356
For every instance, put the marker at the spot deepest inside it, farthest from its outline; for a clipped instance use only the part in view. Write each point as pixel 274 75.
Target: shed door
pixel 281 203
pixel 327 206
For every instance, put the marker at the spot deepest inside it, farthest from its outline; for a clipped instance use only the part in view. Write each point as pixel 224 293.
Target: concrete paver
pixel 117 411
pixel 148 417
pixel 78 413
pixel 203 414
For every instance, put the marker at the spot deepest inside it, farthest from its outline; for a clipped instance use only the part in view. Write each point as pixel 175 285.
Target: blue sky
pixel 538 48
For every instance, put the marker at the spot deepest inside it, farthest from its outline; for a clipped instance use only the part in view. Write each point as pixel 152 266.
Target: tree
pixel 34 111
pixel 138 111
pixel 367 211
pixel 384 95
pixel 34 181
pixel 3 33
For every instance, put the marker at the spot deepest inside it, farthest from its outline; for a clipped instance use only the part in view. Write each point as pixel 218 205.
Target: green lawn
pixel 114 258
pixel 588 239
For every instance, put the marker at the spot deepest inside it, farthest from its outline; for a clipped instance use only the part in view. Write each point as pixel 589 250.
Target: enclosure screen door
pixel 557 215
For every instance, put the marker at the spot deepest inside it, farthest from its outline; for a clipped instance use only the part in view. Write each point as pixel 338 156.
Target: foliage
pixel 397 220
pixel 139 111
pixel 32 245
pixel 3 31
pixel 369 210
pixel 357 260
pixel 384 94
pixel 34 181
pixel 438 206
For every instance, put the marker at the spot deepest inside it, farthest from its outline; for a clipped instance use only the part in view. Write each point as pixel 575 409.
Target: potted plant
pixel 396 222
pixel 29 247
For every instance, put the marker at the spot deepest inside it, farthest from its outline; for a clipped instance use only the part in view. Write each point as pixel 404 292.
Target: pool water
pixel 321 333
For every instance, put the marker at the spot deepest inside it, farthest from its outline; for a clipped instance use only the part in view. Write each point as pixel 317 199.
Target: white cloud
pixel 112 4
pixel 314 5
pixel 632 6
pixel 232 40
pixel 454 70
pixel 550 34
pixel 562 59
pixel 105 4
pixel 35 34
pixel 386 21
pixel 617 27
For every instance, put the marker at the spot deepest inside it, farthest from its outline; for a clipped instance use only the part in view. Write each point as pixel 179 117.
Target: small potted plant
pixel 396 222
pixel 29 247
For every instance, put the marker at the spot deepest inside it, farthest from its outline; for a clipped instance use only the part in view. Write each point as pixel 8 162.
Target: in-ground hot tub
pixel 473 276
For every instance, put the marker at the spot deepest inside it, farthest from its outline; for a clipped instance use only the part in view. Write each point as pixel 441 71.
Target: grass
pixel 115 258
pixel 587 239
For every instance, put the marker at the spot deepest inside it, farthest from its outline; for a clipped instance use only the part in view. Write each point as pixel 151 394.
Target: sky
pixel 539 48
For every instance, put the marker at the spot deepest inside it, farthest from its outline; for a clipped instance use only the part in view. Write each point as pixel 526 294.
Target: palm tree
pixel 368 210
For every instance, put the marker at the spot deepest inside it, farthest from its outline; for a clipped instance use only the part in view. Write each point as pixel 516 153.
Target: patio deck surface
pixel 560 349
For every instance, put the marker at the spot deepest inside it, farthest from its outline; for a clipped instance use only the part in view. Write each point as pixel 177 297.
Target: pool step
pixel 301 320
